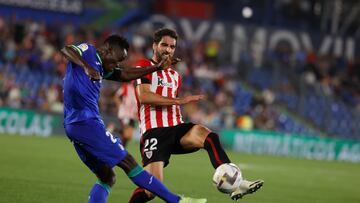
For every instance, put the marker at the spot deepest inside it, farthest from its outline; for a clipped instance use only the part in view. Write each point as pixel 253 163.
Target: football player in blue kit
pixel 97 147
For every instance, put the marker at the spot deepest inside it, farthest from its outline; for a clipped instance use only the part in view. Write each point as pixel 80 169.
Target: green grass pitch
pixel 47 170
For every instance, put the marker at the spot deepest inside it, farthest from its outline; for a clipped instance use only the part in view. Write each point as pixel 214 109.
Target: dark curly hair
pixel 117 41
pixel 164 32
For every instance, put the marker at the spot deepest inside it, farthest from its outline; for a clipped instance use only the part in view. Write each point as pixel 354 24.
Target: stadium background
pixel 281 78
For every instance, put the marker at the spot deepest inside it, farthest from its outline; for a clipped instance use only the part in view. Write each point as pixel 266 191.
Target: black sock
pixel 139 196
pixel 216 152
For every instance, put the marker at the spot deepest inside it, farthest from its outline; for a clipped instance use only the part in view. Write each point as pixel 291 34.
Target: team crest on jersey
pixel 83 47
pixel 149 154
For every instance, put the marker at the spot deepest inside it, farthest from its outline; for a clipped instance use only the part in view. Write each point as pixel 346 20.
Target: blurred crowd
pixel 28 55
pixel 322 89
pixel 334 76
pixel 31 71
pixel 32 68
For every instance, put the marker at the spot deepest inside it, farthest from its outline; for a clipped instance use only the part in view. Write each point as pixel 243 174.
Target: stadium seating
pixel 308 110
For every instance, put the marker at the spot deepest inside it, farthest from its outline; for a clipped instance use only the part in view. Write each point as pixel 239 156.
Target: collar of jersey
pixel 99 58
pixel 154 62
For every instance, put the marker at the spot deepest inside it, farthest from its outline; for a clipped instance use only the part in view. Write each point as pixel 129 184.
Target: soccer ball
pixel 227 178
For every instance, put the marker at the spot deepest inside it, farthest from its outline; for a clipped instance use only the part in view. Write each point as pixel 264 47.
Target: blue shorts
pixel 95 146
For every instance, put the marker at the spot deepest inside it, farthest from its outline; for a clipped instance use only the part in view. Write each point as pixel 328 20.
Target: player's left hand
pixel 190 98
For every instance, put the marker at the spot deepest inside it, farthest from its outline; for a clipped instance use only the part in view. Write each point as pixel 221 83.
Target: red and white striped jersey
pixel 165 83
pixel 128 108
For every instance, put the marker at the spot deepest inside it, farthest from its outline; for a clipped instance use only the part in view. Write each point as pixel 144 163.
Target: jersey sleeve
pixel 147 78
pixel 88 53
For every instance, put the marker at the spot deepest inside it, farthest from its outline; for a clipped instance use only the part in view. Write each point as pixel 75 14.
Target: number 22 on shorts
pixel 150 144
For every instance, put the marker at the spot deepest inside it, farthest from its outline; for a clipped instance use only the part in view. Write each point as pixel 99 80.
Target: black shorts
pixel 158 144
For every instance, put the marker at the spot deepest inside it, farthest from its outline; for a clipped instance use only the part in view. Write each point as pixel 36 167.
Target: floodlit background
pixel 281 79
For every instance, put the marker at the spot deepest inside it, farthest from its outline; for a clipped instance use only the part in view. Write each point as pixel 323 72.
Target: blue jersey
pixel 81 95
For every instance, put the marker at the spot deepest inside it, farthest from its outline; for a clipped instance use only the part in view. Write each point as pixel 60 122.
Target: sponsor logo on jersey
pixel 162 83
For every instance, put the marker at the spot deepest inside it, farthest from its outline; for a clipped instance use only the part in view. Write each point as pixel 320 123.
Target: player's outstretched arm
pixel 126 74
pixel 130 73
pixel 72 55
pixel 147 97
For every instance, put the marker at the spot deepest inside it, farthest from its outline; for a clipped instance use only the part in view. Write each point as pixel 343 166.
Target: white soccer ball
pixel 227 178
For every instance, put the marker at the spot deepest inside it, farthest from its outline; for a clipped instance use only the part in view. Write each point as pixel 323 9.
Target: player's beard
pixel 159 56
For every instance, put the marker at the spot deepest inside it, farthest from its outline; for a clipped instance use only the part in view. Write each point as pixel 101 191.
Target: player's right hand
pixel 190 98
pixel 92 74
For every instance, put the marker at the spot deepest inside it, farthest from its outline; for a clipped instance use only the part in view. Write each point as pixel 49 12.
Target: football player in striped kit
pixel 163 131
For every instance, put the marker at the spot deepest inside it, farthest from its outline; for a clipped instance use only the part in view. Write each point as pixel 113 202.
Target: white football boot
pixel 246 187
pixel 191 200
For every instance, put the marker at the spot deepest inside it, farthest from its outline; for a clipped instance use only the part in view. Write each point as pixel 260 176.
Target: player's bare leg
pixel 106 175
pixel 195 138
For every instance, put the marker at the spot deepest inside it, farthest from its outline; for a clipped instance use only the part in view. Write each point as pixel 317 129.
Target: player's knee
pixel 196 136
pixel 107 176
pixel 112 180
pixel 128 163
pixel 201 131
pixel 109 180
